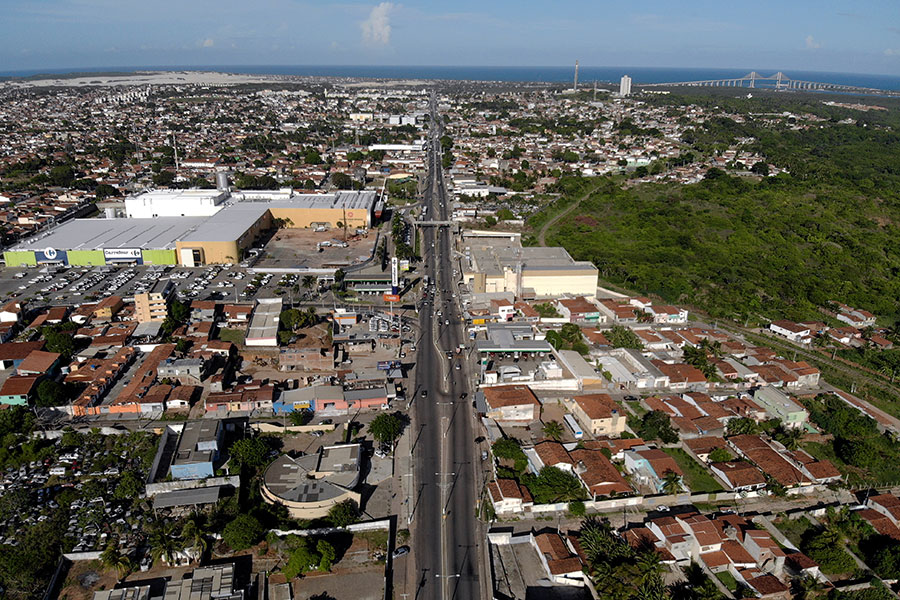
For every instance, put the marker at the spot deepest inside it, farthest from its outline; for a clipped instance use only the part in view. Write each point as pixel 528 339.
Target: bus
pixel 573 425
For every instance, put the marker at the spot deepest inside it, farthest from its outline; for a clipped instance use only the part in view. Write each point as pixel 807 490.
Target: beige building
pixel 503 265
pixel 150 307
pixel 599 414
pixel 310 485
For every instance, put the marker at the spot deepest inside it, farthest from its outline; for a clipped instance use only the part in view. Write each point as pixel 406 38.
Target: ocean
pixel 586 74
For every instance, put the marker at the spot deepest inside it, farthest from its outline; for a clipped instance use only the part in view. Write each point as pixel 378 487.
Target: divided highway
pixel 446 535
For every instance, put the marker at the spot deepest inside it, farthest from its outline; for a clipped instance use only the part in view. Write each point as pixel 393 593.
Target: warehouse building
pixel 496 265
pixel 190 227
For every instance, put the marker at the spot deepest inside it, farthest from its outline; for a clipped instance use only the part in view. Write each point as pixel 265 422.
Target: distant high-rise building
pixel 625 86
pixel 575 85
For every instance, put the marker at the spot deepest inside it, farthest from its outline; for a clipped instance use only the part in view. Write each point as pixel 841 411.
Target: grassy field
pixel 235 336
pixel 793 529
pixel 696 477
pixel 728 579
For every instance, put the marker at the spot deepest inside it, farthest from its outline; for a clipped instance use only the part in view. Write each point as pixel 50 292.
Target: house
pixel 770 462
pixel 18 390
pixel 13 353
pixel 778 405
pixel 511 404
pixel 107 308
pixel 649 466
pixel 309 398
pixel 204 310
pixel 579 310
pixel 39 362
pixel 502 309
pixel 507 496
pixel 682 376
pixel 12 312
pixel 560 562
pixel 793 331
pixel 739 475
pixel 855 317
pixel 667 314
pixel 702 447
pixel 599 414
pixel 237 315
pixel 185 370
pixel 887 505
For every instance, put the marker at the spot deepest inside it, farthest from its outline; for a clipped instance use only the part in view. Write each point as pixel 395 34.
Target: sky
pixel 862 36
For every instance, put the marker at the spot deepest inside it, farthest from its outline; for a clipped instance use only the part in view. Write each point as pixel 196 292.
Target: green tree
pixel 490 221
pixel 164 178
pixel 577 508
pixel 242 532
pixel 61 343
pixel 554 485
pixel 623 337
pixel 327 552
pixel 743 426
pixel 719 455
pixel 344 513
pixel 51 393
pixel 300 417
pixel 129 486
pixel 309 281
pixel 553 430
pixel 504 214
pixel 304 558
pixel 194 533
pixel 386 428
pixel 656 425
pixel 290 319
pixel 248 452
pixel 341 181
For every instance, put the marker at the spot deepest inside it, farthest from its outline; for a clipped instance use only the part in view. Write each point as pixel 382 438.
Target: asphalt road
pixel 446 535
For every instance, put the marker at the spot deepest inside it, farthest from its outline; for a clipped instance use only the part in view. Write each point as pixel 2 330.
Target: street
pixel 446 534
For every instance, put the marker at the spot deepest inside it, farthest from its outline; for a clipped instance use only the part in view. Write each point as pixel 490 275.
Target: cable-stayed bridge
pixel 778 81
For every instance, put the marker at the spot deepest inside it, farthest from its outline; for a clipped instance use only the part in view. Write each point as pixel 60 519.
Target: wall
pixel 304 217
pixel 86 258
pixel 153 489
pixel 159 257
pixel 20 258
pixel 276 428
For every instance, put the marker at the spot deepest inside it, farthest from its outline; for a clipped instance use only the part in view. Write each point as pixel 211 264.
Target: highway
pixel 446 536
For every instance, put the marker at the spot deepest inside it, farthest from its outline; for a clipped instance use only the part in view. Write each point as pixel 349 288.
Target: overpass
pixel 778 81
pixel 436 223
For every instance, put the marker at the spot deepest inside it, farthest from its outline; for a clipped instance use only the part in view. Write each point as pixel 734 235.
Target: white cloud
pixel 208 43
pixel 811 43
pixel 376 30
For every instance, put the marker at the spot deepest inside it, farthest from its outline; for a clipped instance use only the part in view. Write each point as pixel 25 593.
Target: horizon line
pixel 46 70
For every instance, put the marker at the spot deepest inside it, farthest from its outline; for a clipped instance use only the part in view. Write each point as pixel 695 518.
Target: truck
pixel 573 425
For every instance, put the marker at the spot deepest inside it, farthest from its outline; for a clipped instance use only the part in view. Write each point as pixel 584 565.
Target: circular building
pixel 311 484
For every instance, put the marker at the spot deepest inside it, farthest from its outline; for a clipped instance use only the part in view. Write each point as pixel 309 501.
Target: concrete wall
pixel 153 489
pixel 275 428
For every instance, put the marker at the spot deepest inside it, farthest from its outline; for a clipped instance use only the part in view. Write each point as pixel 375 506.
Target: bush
pixel 242 532
pixel 576 508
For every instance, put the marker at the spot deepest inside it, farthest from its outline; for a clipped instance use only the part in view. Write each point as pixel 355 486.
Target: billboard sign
pixel 391 298
pixel 130 254
pixel 51 255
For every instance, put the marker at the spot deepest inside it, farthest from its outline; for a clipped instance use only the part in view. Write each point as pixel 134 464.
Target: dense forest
pixel 753 249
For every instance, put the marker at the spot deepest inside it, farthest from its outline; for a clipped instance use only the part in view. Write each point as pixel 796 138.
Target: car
pixel 327 421
pixel 400 551
pixel 424 393
pixel 662 508
pixel 458 366
pixel 484 455
pixel 463 395
pixel 446 321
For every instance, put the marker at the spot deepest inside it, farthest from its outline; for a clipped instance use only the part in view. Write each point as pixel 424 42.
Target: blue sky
pixel 822 35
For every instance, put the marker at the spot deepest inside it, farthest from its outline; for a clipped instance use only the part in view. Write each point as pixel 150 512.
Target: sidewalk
pixel 401 505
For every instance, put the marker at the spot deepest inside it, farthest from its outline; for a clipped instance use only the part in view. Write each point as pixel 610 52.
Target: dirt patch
pixel 85 578
pixel 295 248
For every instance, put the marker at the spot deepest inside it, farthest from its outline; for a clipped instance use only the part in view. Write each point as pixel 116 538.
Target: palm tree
pixel 164 543
pixel 193 532
pixel 671 483
pixel 553 430
pixel 649 565
pixel 309 281
pixel 112 558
